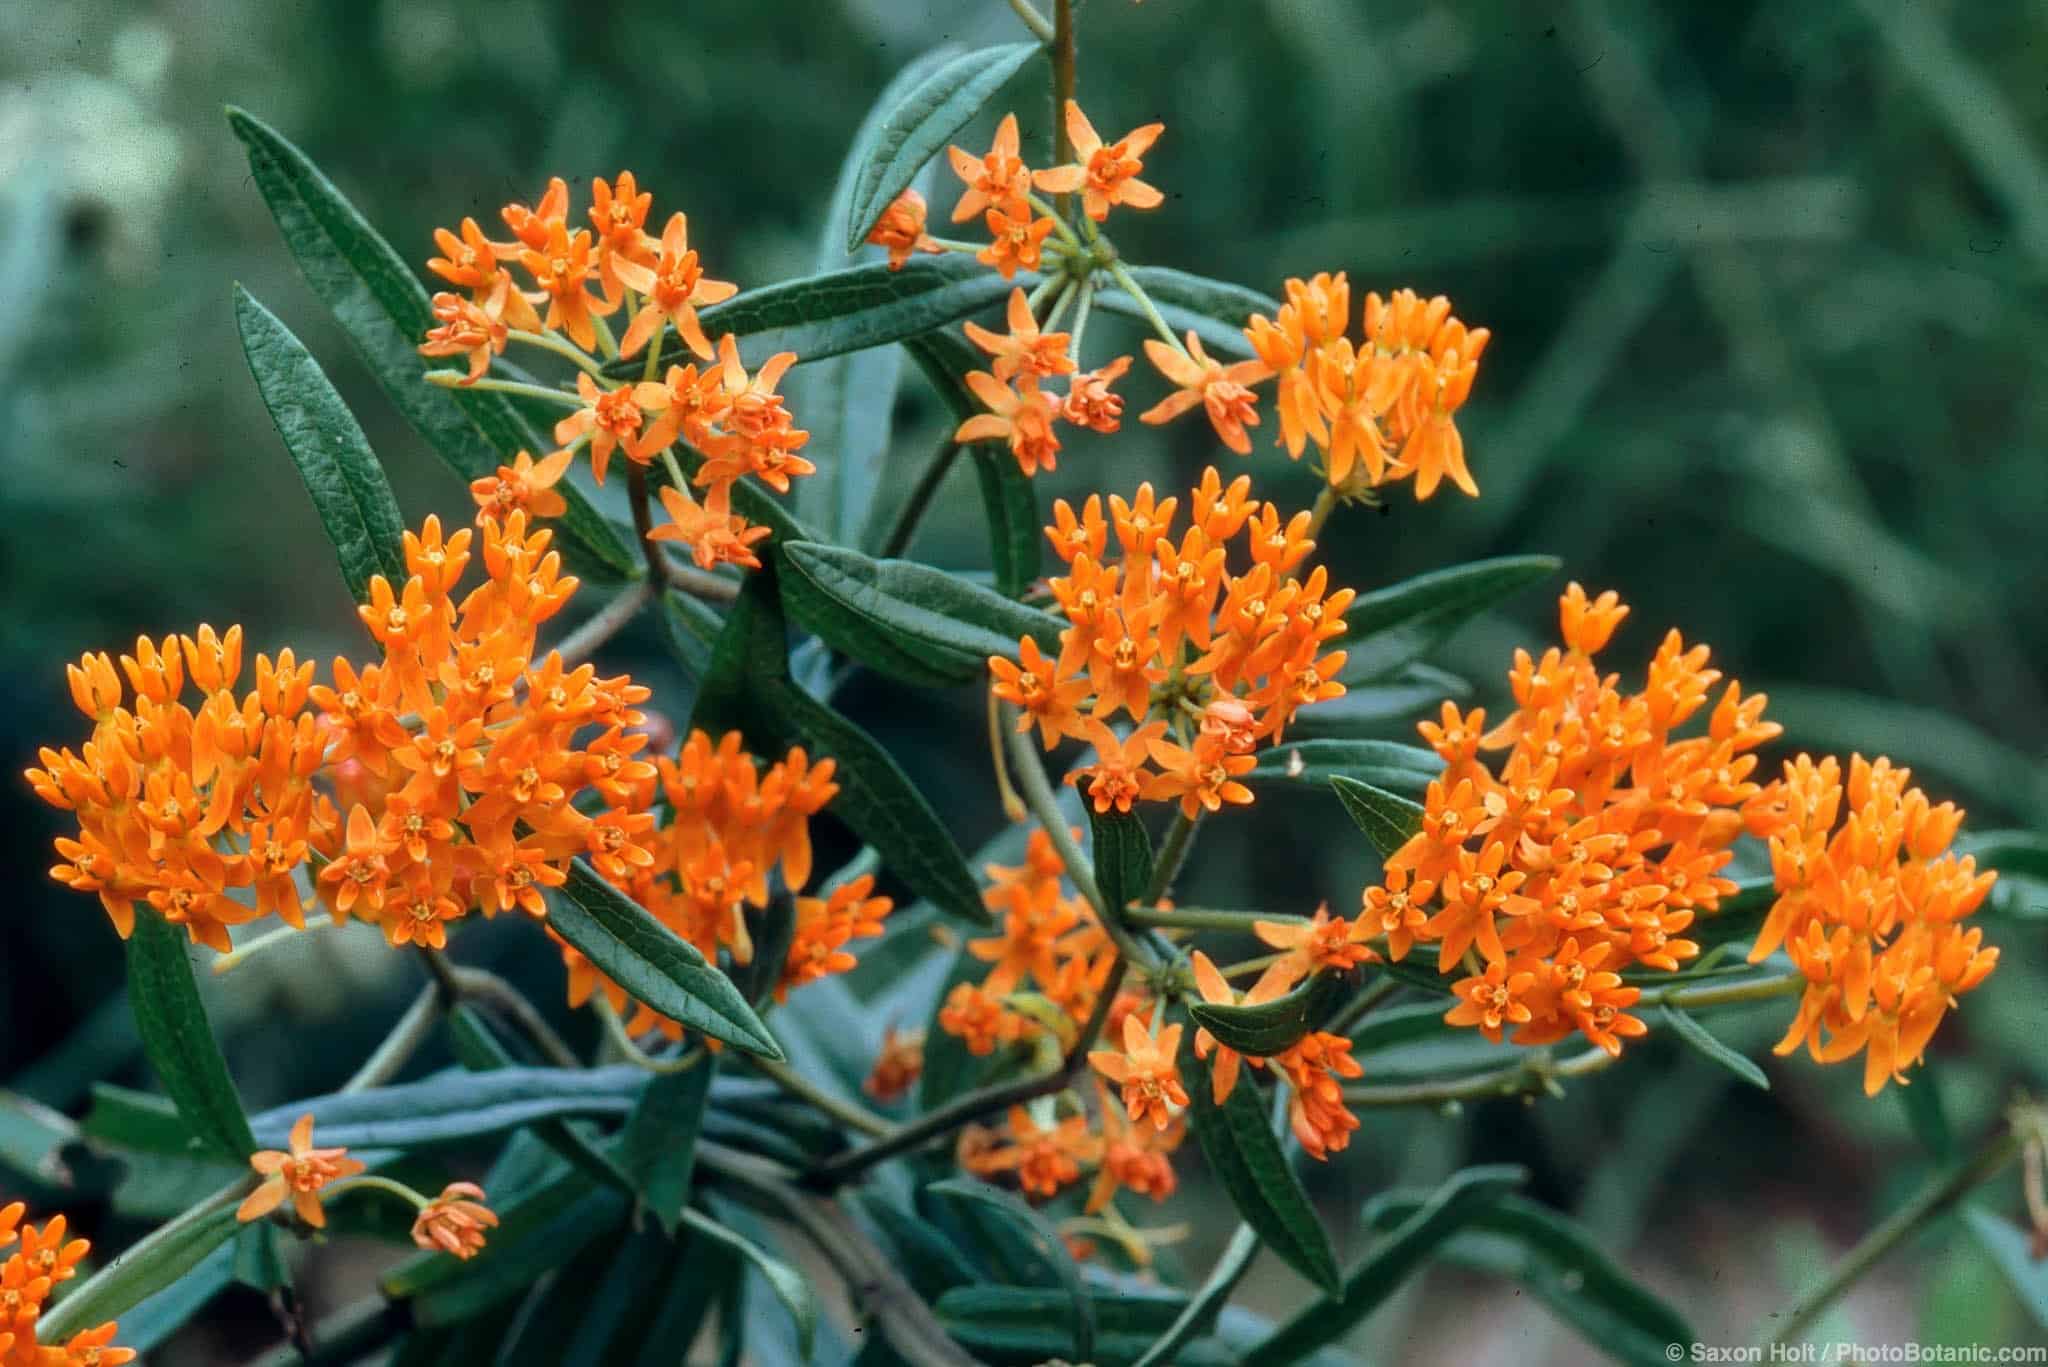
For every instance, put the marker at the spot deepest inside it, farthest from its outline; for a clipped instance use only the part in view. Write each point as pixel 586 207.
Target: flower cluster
pixel 1869 912
pixel 1205 662
pixel 453 1222
pixel 1021 412
pixel 734 420
pixel 1378 410
pixel 28 1277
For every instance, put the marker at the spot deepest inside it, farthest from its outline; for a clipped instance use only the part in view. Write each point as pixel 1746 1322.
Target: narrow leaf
pixel 1402 622
pixel 785 1281
pixel 1384 764
pixel 1202 1310
pixel 147 1267
pixel 334 458
pixel 1007 497
pixel 452 1106
pixel 1045 1241
pixel 179 1039
pixel 1367 709
pixel 1215 310
pixel 477 1049
pixel 156 1317
pixel 1387 819
pixel 653 963
pixel 1270 1027
pixel 1452 1206
pixel 1237 1140
pixel 2012 1249
pixel 1123 856
pixel 920 126
pixel 1702 1040
pixel 658 1147
pixel 384 310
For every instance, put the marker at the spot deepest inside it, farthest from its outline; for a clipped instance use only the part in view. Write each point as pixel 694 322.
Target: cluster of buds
pixel 1378 411
pixel 1206 663
pixel 1869 912
pixel 29 1276
pixel 583 276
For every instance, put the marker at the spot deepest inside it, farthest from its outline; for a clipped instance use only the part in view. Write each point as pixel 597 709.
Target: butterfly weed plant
pixel 996 1181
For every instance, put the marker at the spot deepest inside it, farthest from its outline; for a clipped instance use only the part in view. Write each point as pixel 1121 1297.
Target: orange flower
pixel 1147 1071
pixel 358 877
pixel 897 1067
pixel 1135 1158
pixel 1045 1160
pixel 674 286
pixel 715 534
pixel 612 420
pixel 1015 241
pixel 900 229
pixel 1203 778
pixel 1025 349
pixel 454 1222
pixel 823 926
pixel 299 1174
pixel 1047 692
pixel 562 264
pixel 1116 778
pixel 464 328
pixel 1318 945
pixel 524 484
pixel 1107 173
pixel 979 1021
pixel 1222 391
pixel 995 180
pixel 1090 403
pixel 86 1348
pixel 1316 1110
pixel 1023 417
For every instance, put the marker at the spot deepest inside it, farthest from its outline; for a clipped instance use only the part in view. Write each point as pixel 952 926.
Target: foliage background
pixel 1766 287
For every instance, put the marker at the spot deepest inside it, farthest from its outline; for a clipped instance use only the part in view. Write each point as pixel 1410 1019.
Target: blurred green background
pixel 1766 284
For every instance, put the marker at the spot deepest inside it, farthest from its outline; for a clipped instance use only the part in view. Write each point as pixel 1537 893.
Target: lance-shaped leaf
pixel 1702 1041
pixel 1202 1310
pixel 654 964
pixel 1123 856
pixel 786 1282
pixel 1387 819
pixel 1392 1025
pixel 156 1317
pixel 327 444
pixel 179 1040
pixel 905 619
pixel 658 1147
pixel 1389 627
pixel 835 312
pixel 1215 310
pixel 477 1049
pixel 1383 764
pixel 1045 1241
pixel 1034 1324
pixel 748 688
pixel 147 1268
pixel 1266 1028
pixel 454 1106
pixel 1560 1263
pixel 385 311
pixel 1461 1200
pixel 1237 1140
pixel 922 122
pixel 1014 527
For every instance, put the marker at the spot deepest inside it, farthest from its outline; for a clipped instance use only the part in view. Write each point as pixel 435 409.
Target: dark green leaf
pixel 1392 1025
pixel 385 312
pixel 653 963
pixel 1928 1114
pixel 2012 852
pixel 1269 1027
pixel 1031 1324
pixel 920 125
pixel 1702 1040
pixel 179 1039
pixel 1402 622
pixel 32 1138
pixel 453 1106
pixel 1237 1140
pixel 1384 764
pixel 1216 310
pixel 785 1281
pixel 155 1318
pixel 614 1324
pixel 690 626
pixel 1452 1206
pixel 1045 1242
pixel 477 1049
pixel 2012 1249
pixel 910 620
pixel 1007 497
pixel 1202 1310
pixel 1387 820
pixel 259 1259
pixel 697 1279
pixel 1368 708
pixel 658 1147
pixel 927 1258
pixel 147 1267
pixel 1123 856
pixel 334 458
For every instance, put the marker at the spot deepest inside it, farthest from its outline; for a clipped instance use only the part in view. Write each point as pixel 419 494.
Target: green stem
pixel 1200 918
pixel 457 379
pixel 622 1041
pixel 480 985
pixel 1529 1077
pixel 401 1044
pixel 1696 997
pixel 1063 62
pixel 1180 838
pixel 1356 1010
pixel 1326 503
pixel 848 1113
pixel 904 529
pixel 1041 27
pixel 1130 286
pixel 371 1182
pixel 1932 1200
pixel 1080 324
pixel 561 346
pixel 131 1271
pixel 606 343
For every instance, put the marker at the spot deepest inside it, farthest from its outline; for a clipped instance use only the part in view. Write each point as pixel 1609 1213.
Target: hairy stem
pixel 643 523
pixel 1063 60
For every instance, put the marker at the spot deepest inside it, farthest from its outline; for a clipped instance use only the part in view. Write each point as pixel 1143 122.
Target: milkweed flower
pixel 1147 1072
pixel 525 486
pixel 29 1276
pixel 1107 173
pixel 996 180
pixel 898 1065
pixel 900 229
pixel 675 286
pixel 454 1222
pixel 299 1173
pixel 1223 392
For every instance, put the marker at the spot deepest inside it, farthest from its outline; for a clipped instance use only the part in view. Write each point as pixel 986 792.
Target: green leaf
pixel 929 1260
pixel 156 1317
pixel 1402 622
pixel 147 1267
pixel 1383 764
pixel 1201 1311
pixel 1045 1241
pixel 914 622
pixel 1269 1027
pixel 1033 1324
pixel 920 125
pixel 2012 1249
pixel 453 1106
pixel 1460 1200
pixel 786 1282
pixel 854 309
pixel 1702 1040
pixel 658 1147
pixel 748 688
pixel 1560 1263
pixel 1927 1113
pixel 179 1039
pixel 654 964
pixel 2012 852
pixel 1015 530
pixel 32 1139
pixel 536 1234
pixel 1368 708
pixel 477 1049
pixel 384 310
pixel 1237 1140
pixel 1215 310
pixel 1123 856
pixel 1388 1026
pixel 326 443
pixel 1387 820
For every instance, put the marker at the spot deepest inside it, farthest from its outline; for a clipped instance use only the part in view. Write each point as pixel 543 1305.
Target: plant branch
pixel 848 1113
pixel 643 522
pixel 1063 62
pixel 904 528
pixel 1198 918
pixel 580 644
pixel 401 1044
pixel 1180 838
pixel 480 985
pixel 1528 1077
pixel 1040 26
